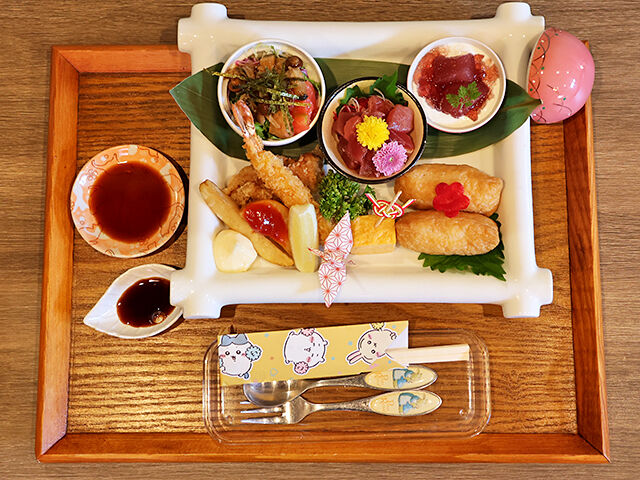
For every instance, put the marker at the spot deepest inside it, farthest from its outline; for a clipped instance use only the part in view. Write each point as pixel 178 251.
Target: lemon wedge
pixel 233 252
pixel 303 234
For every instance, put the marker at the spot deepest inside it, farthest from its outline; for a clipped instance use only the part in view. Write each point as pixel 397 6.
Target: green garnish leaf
pixel 490 263
pixel 351 92
pixel 262 130
pixel 339 194
pixel 385 85
pixel 466 96
pixel 388 85
pixel 472 93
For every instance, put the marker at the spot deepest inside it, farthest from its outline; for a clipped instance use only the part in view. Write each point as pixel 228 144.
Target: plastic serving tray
pixel 463 386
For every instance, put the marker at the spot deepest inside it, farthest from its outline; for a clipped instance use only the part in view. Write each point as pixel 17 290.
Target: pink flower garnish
pixel 390 158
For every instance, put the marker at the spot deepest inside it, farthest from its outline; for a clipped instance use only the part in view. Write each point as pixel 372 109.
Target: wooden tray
pixel 105 399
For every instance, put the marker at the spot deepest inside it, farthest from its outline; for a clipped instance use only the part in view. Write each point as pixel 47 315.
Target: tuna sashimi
pixel 443 82
pixel 400 119
pixel 344 154
pixel 354 153
pixel 378 107
pixel 367 168
pixel 349 129
pixel 338 125
pixel 403 139
pixel 460 69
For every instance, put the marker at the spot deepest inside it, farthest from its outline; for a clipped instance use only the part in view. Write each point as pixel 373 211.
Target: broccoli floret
pixel 339 194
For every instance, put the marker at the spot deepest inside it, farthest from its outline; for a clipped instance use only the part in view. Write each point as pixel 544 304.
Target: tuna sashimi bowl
pixel 372 129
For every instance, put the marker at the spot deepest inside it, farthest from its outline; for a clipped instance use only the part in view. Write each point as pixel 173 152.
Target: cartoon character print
pixel 237 354
pixel 404 376
pixel 372 344
pixel 408 401
pixel 304 349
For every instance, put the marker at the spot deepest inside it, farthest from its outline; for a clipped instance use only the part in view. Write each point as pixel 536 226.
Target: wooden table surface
pixel 29 28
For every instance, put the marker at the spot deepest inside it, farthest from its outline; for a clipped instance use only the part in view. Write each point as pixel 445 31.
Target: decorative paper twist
pixel 391 209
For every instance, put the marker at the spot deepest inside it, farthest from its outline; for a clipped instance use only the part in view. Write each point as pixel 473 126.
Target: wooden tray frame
pixel 54 444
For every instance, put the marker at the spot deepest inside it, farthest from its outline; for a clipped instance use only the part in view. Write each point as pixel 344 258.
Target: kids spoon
pixel 278 392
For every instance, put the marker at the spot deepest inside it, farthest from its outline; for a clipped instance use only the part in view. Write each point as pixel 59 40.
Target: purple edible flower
pixel 390 158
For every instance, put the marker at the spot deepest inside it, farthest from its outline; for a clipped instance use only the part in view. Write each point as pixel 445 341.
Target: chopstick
pixel 442 353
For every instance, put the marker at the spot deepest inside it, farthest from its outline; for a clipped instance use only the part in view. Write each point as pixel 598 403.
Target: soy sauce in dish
pixel 130 201
pixel 145 303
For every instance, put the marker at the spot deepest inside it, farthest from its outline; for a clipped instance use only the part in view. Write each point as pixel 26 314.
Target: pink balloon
pixel 561 73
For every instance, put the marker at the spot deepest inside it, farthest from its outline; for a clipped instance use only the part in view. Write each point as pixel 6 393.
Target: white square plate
pixel 210 36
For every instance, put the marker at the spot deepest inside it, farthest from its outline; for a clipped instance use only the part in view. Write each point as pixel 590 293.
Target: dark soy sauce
pixel 145 303
pixel 130 201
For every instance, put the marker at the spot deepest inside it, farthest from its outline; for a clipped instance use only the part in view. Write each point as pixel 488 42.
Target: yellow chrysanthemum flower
pixel 372 132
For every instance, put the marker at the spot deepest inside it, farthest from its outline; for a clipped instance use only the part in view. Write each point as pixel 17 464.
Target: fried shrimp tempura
pixel 272 171
pixel 433 233
pixel 246 187
pixel 420 182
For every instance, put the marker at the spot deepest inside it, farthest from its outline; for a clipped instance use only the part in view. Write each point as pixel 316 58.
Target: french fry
pixel 227 211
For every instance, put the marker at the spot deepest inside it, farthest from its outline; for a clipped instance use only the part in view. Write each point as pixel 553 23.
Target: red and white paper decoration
pixel 384 209
pixel 333 269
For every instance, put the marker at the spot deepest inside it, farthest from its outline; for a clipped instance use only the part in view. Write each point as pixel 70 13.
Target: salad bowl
pixel 279 47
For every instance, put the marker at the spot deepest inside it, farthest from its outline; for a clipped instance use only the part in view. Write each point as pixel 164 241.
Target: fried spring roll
pixel 432 232
pixel 420 182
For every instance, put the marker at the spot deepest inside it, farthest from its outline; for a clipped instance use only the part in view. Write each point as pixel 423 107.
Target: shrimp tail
pixel 244 118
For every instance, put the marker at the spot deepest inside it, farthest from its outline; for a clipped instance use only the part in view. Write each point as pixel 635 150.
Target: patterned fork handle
pixel 409 403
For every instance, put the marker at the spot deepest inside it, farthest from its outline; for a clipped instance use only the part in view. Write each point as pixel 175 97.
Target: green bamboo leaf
pixel 337 71
pixel 197 97
pixel 514 111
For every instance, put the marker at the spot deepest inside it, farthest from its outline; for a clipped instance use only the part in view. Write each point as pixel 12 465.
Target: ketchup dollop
pixel 438 75
pixel 264 218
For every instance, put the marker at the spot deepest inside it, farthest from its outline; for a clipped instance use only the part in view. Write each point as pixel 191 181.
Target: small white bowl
pixel 329 145
pixel 85 220
pixel 103 317
pixel 313 71
pixel 455 46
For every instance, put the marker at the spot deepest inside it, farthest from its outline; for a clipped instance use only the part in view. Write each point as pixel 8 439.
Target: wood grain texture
pixel 126 58
pixel 58 257
pixel 585 268
pixel 153 385
pixel 29 30
pixel 498 448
